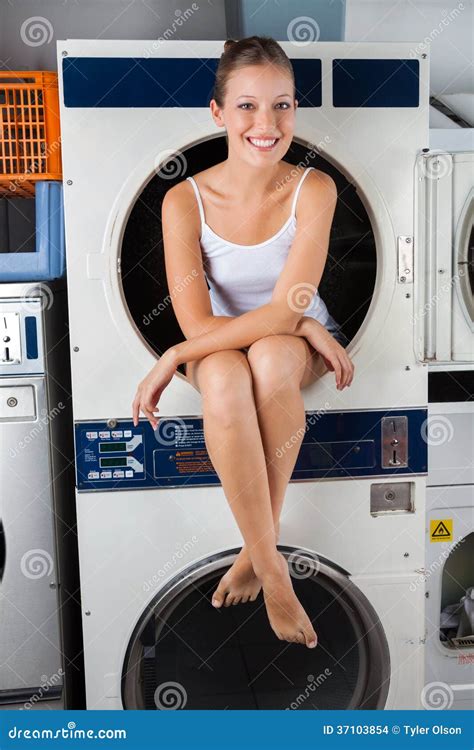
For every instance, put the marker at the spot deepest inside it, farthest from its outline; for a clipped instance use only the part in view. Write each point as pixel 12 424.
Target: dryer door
pixel 233 660
pixel 445 308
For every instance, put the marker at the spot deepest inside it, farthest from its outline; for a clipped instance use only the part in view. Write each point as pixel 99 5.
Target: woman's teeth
pixel 263 143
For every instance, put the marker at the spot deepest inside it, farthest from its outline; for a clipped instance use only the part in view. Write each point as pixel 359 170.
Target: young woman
pixel 257 228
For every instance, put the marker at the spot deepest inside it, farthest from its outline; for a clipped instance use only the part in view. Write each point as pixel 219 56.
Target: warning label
pixel 441 530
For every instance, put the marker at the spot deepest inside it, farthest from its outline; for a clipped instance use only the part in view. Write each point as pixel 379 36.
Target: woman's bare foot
pixel 287 617
pixel 239 584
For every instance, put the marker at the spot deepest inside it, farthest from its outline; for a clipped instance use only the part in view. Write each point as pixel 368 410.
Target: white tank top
pixel 242 277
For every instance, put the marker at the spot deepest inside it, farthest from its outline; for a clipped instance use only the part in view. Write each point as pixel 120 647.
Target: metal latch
pixel 405 259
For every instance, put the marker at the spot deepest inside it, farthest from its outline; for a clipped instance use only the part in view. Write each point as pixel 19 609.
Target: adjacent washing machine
pixel 450 551
pixel 155 530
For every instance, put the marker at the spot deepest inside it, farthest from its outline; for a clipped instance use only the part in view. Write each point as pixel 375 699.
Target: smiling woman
pixel 257 338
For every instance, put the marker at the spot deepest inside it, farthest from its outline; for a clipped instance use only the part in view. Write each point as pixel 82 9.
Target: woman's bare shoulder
pixel 179 202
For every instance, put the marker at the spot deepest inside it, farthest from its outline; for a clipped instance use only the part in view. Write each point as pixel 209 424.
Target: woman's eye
pixel 245 104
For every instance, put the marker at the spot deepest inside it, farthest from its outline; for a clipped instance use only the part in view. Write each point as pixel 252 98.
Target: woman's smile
pixel 262 144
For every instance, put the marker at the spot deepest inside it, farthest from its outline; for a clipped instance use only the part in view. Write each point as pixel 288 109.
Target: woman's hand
pixel 152 386
pixel 334 355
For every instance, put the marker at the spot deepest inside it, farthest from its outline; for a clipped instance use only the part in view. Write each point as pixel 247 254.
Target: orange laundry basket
pixel 30 140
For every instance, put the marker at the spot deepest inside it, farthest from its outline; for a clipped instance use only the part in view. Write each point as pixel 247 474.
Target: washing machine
pixel 154 527
pixel 449 676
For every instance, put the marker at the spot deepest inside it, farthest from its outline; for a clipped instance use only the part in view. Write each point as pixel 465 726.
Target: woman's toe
pixel 228 600
pixel 237 599
pixel 310 638
pixel 218 595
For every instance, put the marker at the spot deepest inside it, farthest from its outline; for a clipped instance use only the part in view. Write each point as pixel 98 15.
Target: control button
pixel 127 433
pixel 117 433
pixel 105 434
pixel 118 474
pixel 93 475
pixel 91 435
pixel 106 475
pixel 129 473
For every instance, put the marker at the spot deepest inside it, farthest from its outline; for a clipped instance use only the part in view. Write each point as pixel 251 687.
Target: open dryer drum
pixel 184 654
pixel 349 276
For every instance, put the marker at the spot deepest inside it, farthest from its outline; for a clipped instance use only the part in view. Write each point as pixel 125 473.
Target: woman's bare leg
pixel 281 365
pixel 233 440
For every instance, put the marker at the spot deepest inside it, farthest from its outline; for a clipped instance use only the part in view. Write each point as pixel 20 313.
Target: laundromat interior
pixel 113 536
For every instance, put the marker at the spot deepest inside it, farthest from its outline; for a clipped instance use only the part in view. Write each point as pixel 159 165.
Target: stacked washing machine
pixel 155 530
pixel 446 340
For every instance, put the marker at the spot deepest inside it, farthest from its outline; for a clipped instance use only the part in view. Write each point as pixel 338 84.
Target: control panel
pixel 116 455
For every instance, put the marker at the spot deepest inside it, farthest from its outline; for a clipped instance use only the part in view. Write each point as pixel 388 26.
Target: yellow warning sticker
pixel 441 530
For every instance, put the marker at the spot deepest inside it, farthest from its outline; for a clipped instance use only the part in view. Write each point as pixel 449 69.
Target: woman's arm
pixel 272 318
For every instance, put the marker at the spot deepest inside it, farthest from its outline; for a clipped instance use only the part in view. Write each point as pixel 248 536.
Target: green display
pixel 112 447
pixel 113 461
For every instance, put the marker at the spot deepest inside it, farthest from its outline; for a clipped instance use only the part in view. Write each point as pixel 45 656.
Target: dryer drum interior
pixel 349 276
pixel 184 654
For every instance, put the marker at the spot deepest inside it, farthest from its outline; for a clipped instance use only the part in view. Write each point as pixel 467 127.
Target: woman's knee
pixel 277 361
pixel 225 382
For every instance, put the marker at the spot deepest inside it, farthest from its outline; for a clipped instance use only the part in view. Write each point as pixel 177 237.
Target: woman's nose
pixel 265 124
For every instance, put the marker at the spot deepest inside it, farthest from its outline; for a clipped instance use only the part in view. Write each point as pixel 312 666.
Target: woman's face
pixel 259 106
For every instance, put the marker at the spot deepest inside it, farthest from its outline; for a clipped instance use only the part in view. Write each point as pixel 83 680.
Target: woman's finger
pixel 150 416
pixel 337 369
pixel 136 410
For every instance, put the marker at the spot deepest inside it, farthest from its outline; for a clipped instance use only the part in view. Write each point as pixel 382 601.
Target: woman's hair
pixel 253 50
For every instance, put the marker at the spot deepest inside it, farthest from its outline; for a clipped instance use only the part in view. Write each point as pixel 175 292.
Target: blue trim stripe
pixel 376 83
pixel 162 82
pixel 123 82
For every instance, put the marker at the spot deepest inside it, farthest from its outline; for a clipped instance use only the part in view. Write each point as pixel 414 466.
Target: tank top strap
pixel 199 200
pixel 298 188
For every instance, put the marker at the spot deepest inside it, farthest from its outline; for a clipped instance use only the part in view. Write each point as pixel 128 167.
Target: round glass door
pixel 185 654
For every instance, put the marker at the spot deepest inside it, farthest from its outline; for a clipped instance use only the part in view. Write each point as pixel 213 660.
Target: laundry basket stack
pixel 30 167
